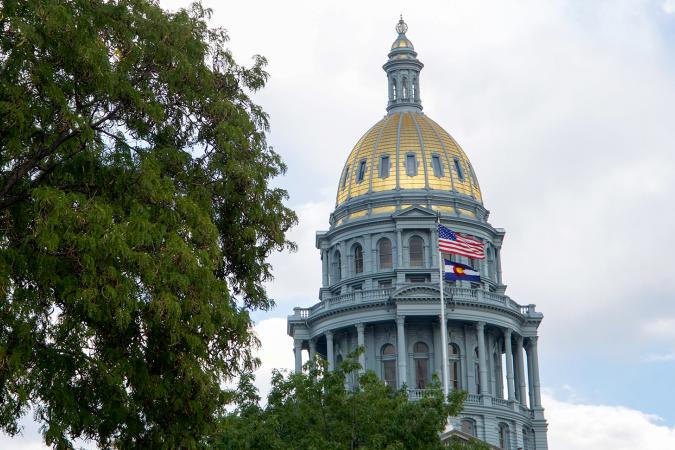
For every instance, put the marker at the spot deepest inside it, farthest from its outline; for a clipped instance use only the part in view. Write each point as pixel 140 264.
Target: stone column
pixel 530 382
pixel 399 249
pixel 482 364
pixel 361 342
pixel 520 362
pixel 510 382
pixel 297 349
pixel 468 366
pixel 535 371
pixel 329 350
pixel 402 353
pixel 312 348
pixel 325 267
pixel 433 247
pixel 498 262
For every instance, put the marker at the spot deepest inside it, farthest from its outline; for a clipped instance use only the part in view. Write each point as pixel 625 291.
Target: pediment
pixel 416 212
pixel 416 291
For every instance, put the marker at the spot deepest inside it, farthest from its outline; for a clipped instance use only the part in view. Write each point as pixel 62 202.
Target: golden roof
pixel 421 155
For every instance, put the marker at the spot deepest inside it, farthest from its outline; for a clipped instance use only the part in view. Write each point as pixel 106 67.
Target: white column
pixel 361 342
pixel 399 249
pixel 329 350
pixel 312 348
pixel 480 330
pixel 297 350
pixel 509 365
pixel 535 371
pixel 530 377
pixel 402 353
pixel 520 362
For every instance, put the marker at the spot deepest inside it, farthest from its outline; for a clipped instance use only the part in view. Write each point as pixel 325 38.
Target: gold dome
pixel 407 150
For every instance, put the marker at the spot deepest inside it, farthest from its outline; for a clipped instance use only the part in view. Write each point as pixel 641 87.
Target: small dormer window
pixel 411 164
pixel 436 165
pixel 384 166
pixel 345 177
pixel 458 169
pixel 361 173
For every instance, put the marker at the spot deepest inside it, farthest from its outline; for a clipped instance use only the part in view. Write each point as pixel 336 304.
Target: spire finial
pixel 401 26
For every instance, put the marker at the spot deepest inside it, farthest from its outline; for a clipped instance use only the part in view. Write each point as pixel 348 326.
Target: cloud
pixel 669 6
pixel 664 357
pixel 574 426
pixel 275 352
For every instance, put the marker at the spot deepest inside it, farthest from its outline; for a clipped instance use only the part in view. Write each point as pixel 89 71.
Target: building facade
pixel 380 286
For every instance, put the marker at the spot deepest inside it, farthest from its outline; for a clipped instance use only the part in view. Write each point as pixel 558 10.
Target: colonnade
pixel 514 347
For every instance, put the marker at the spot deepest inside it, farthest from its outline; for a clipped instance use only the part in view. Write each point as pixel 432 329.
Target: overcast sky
pixel 567 111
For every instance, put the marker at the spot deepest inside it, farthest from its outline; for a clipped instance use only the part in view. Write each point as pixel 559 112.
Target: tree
pixel 341 409
pixel 136 216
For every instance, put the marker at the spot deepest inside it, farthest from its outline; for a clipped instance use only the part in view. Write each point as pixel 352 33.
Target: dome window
pixel 404 88
pixel 416 247
pixel 437 166
pixel 345 178
pixel 358 259
pixel 410 164
pixel 458 169
pixel 393 89
pixel 384 166
pixel 361 173
pixel 384 253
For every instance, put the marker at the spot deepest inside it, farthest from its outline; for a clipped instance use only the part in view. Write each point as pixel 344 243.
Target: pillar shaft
pixel 482 363
pixel 312 348
pixel 329 350
pixel 509 365
pixel 520 362
pixel 530 376
pixel 297 350
pixel 402 354
pixel 361 342
pixel 535 371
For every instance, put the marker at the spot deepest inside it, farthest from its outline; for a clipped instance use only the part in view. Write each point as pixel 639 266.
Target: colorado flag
pixel 456 271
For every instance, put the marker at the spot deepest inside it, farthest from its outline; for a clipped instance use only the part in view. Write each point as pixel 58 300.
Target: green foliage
pixel 136 217
pixel 342 409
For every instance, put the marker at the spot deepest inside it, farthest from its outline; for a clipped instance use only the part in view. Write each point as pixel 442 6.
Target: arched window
pixel 421 357
pixel 358 259
pixel 404 88
pixel 384 253
pixel 337 266
pixel 388 354
pixel 413 86
pixel 476 366
pixel 393 89
pixel 453 364
pixel 416 247
pixel 469 427
pixel 504 438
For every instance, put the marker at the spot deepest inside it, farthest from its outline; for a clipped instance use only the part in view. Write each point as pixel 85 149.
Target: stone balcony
pixel 481 400
pixel 452 295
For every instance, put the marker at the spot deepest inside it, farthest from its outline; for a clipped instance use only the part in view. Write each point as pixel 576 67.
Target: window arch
pixel 384 253
pixel 421 358
pixel 416 249
pixel 454 359
pixel 358 258
pixel 388 354
pixel 504 438
pixel 337 266
pixel 468 426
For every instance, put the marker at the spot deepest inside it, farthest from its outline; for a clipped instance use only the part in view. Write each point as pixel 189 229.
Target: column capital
pixel 400 320
pixel 297 343
pixel 360 327
pixel 480 326
pixel 329 333
pixel 507 333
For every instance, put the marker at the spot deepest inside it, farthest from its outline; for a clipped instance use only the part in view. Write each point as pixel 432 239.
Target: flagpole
pixel 444 325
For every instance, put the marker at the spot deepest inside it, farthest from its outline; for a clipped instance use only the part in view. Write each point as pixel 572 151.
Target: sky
pixel 566 110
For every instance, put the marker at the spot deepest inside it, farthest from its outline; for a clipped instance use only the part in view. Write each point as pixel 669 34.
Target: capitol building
pixel 380 266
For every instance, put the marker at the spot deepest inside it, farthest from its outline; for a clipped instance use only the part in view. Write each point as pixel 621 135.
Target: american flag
pixel 451 242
